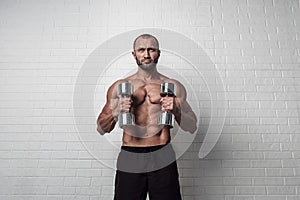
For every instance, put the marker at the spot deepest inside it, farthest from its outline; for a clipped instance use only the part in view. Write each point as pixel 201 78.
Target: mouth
pixel 147 61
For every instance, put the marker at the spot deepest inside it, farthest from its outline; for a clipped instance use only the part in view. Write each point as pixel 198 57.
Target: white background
pixel 254 44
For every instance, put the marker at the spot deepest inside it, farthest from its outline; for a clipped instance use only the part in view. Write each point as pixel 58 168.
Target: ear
pixel 133 54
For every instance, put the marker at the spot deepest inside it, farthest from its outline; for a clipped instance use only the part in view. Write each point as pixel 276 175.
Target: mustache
pixel 146 59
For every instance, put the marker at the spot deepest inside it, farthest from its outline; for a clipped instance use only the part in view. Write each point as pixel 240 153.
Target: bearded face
pixel 146 53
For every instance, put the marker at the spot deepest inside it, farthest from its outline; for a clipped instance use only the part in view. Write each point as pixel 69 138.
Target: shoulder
pixel 179 87
pixel 177 83
pixel 113 87
pixel 112 90
pixel 119 81
pixel 116 83
pixel 170 80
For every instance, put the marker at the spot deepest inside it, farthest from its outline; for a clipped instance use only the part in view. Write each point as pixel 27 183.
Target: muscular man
pixel 146 136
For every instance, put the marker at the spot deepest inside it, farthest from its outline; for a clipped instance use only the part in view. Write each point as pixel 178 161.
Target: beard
pixel 149 66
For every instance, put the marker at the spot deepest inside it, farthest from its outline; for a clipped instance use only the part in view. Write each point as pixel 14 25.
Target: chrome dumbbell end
pixel 125 90
pixel 166 118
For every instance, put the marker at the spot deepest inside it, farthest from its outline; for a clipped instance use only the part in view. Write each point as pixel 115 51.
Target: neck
pixel 147 74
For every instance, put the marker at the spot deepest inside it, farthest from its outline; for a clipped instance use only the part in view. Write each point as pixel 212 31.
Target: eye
pixel 151 49
pixel 141 50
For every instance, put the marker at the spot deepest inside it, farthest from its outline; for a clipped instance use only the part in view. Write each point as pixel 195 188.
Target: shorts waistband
pixel 147 149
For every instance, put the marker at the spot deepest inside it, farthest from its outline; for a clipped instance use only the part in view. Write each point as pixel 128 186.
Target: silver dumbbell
pixel 167 118
pixel 125 90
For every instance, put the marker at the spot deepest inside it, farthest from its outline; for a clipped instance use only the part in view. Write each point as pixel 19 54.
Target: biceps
pixel 185 107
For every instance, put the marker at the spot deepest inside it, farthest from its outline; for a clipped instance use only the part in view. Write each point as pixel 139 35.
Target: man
pixel 156 171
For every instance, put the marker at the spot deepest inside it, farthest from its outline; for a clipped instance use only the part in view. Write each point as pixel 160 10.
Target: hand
pixel 124 105
pixel 167 104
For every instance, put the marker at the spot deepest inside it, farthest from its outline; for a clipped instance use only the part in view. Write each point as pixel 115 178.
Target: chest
pixel 149 92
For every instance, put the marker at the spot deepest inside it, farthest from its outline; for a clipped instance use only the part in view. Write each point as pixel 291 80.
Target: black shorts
pixel 142 170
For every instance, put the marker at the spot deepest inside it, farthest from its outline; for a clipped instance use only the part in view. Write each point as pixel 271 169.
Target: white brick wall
pixel 254 44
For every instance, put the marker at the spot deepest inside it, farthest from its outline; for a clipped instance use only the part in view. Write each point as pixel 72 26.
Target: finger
pixel 162 99
pixel 166 104
pixel 125 106
pixel 126 102
pixel 165 107
pixel 126 110
pixel 125 99
pixel 169 107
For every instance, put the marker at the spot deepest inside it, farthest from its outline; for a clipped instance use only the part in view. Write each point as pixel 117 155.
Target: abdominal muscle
pixel 146 131
pixel 161 138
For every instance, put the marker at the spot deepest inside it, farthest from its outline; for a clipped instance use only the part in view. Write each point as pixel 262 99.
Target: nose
pixel 146 53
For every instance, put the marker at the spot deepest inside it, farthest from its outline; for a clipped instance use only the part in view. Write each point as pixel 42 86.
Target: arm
pixel 107 118
pixel 184 115
pixel 114 106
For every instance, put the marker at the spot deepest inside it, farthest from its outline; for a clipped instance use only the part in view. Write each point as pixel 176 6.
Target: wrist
pixel 116 119
pixel 115 115
pixel 176 108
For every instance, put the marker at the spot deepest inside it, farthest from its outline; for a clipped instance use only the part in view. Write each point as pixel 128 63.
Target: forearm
pixel 185 118
pixel 187 122
pixel 106 122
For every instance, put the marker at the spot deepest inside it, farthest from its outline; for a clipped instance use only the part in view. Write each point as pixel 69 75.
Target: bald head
pixel 145 36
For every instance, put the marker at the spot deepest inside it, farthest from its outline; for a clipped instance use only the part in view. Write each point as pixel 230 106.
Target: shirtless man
pixel 146 135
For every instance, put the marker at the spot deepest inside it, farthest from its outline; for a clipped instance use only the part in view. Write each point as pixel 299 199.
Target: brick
pixel 285 172
pixel 58 190
pixel 241 181
pixel 292 181
pixel 271 197
pixel 277 155
pixel 275 138
pixel 222 190
pixel 248 155
pixel 78 164
pixel 266 163
pixel 218 172
pixel 208 181
pixel 30 190
pixel 264 146
pixel 291 197
pixel 239 197
pixel 77 181
pixel 281 190
pixel 88 172
pixel 247 138
pixel 88 190
pixel 250 190
pixel 249 172
pixel 235 163
pixel 263 181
